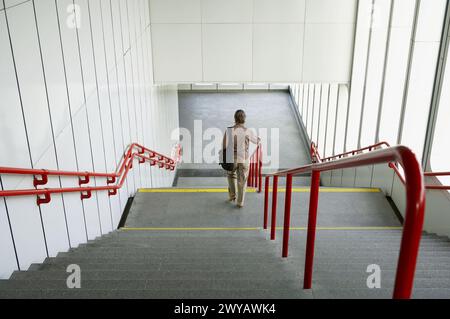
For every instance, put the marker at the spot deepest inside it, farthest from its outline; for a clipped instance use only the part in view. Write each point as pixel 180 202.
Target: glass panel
pixel 331 122
pixel 375 72
pixel 440 155
pixel 341 119
pixel 359 65
pixel 429 29
pixel 323 118
pixel 316 112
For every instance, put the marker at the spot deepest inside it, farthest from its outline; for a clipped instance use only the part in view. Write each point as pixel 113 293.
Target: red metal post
pixel 260 169
pixel 249 181
pixel 266 202
pixel 412 228
pixel 287 216
pixel 254 171
pixel 311 235
pixel 258 178
pixel 274 208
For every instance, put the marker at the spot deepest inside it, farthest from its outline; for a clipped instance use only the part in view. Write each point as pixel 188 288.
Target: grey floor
pixel 270 110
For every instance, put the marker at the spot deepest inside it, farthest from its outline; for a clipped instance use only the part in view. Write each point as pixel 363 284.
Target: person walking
pixel 238 150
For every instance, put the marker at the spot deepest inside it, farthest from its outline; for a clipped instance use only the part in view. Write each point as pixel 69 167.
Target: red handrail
pixel 40 176
pixel 414 215
pixel 315 156
pixel 255 169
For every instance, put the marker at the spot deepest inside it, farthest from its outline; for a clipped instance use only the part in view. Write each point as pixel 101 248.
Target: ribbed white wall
pixel 393 107
pixel 74 99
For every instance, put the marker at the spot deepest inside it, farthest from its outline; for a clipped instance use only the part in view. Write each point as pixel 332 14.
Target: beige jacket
pixel 241 139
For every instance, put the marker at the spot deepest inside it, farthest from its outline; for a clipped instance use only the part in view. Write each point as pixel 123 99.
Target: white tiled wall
pixel 74 99
pixel 252 40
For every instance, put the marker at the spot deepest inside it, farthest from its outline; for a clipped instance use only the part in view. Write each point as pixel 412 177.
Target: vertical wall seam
pixel 23 114
pixel 383 81
pixel 437 89
pixel 366 76
pixel 326 121
pixel 109 91
pixel 408 71
pixel 70 107
pixel 350 84
pixel 99 106
pixel 50 116
pixel 87 115
pixel 10 227
pixel 133 86
pixel 128 96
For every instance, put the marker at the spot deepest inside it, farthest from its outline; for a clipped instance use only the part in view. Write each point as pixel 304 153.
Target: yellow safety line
pixel 281 190
pixel 250 228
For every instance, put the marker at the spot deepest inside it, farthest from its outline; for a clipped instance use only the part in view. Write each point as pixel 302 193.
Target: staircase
pixel 191 243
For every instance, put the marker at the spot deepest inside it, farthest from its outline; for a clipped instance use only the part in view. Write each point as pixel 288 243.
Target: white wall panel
pixel 276 57
pixel 74 208
pixel 177 52
pixel 227 52
pixel 419 95
pixel 310 108
pixel 316 112
pixel 93 114
pixel 7 253
pixel 175 11
pixel 111 82
pixel 342 113
pixel 30 79
pixel 375 72
pixel 187 40
pixel 230 11
pixel 358 76
pixel 321 134
pixel 60 113
pixel 77 104
pixel 430 20
pixel 331 121
pixel 320 41
pixel 331 11
pixel 82 144
pixel 279 11
pixel 394 84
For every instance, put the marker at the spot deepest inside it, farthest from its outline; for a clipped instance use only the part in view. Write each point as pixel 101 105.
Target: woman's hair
pixel 240 116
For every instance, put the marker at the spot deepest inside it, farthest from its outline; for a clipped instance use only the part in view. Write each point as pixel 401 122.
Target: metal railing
pixel 414 214
pixel 315 156
pixel 255 170
pixel 114 181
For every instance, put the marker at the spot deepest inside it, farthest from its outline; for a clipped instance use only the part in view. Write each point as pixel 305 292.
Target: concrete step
pixel 246 274
pixel 156 285
pixel 418 293
pixel 160 294
pixel 217 235
pixel 239 250
pixel 359 281
pixel 272 266
pixel 239 257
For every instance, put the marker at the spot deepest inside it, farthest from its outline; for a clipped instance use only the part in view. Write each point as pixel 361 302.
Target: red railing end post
pixel 274 208
pixel 287 216
pixel 311 233
pixel 266 202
